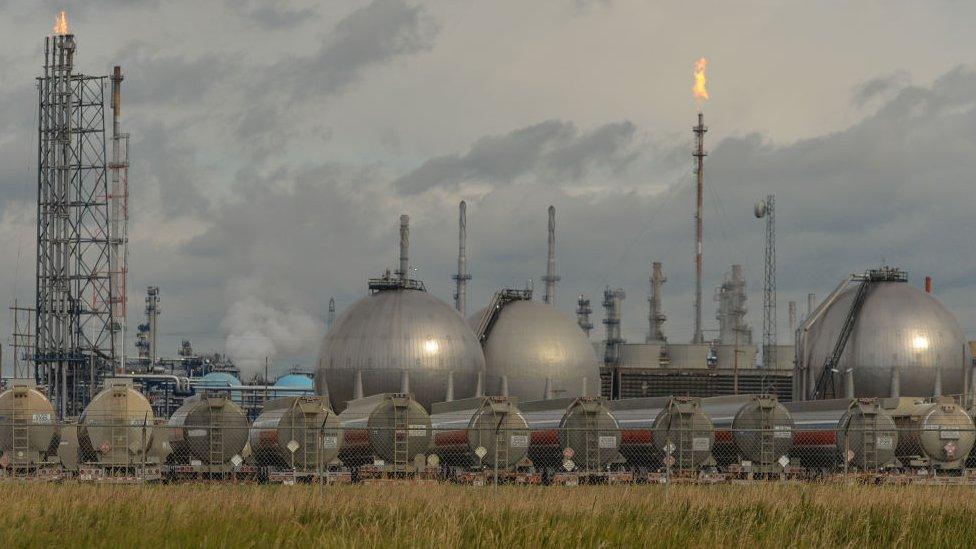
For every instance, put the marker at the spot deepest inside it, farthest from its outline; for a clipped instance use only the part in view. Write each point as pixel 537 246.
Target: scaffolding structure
pixel 74 343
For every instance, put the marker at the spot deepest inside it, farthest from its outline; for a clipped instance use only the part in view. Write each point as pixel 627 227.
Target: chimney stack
pixel 550 279
pixel 462 277
pixel 928 284
pixel 404 272
pixel 656 318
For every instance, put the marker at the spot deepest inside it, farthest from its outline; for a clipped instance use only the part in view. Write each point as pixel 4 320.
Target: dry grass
pixel 429 516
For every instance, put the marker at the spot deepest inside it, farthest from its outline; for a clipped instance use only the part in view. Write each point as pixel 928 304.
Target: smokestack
pixel 792 313
pixel 928 284
pixel 656 318
pixel 330 320
pixel 612 303
pixel 699 155
pixel 811 301
pixel 404 247
pixel 550 279
pixel 462 277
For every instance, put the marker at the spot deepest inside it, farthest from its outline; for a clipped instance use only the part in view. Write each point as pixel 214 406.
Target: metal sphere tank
pixel 208 429
pixel 494 424
pixel 397 331
pixel 391 427
pixel 117 425
pixel 899 326
pixel 535 346
pixel 28 413
pixel 297 431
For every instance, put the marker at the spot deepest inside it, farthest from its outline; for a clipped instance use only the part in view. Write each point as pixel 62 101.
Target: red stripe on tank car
pixel 814 438
pixel 545 437
pixel 636 436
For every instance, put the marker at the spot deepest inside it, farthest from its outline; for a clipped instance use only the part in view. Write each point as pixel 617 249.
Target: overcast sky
pixel 273 149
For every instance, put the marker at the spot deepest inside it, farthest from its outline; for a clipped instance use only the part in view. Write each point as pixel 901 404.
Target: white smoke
pixel 257 332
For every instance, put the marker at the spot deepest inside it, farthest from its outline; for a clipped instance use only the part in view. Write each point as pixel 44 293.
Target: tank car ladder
pixel 120 437
pixel 501 448
pixel 591 442
pixel 767 436
pixel 311 445
pixel 869 441
pixel 401 438
pixel 216 439
pixel 20 443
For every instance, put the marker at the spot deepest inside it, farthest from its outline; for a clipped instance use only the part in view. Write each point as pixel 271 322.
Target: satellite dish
pixel 760 208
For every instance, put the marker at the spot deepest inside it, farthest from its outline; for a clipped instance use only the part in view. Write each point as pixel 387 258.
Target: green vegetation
pixel 436 516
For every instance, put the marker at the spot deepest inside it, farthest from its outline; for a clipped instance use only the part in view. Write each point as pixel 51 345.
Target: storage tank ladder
pixel 498 301
pixel 216 438
pixel 21 438
pixel 401 437
pixel 826 380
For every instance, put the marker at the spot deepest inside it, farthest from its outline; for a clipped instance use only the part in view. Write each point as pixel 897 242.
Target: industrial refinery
pixel 876 378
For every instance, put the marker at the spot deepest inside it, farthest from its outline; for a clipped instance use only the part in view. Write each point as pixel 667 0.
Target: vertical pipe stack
pixel 550 279
pixel 404 272
pixel 655 317
pixel 699 155
pixel 462 277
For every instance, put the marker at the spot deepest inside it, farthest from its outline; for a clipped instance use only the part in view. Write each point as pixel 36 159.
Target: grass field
pixel 435 516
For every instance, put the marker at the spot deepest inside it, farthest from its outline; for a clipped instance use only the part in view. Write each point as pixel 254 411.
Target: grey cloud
pixel 554 150
pixel 879 86
pixel 271 16
pixel 371 35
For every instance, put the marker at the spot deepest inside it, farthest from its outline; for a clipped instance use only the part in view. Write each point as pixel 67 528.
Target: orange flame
pixel 61 23
pixel 699 89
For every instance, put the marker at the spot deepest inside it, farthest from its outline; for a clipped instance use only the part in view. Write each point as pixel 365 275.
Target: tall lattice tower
pixel 767 209
pixel 74 327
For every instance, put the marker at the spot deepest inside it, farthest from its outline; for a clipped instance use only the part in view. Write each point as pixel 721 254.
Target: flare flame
pixel 699 87
pixel 61 23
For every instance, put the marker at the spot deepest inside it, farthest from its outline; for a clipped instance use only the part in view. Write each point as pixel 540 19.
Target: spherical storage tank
pixel 532 345
pixel 899 328
pixel 399 339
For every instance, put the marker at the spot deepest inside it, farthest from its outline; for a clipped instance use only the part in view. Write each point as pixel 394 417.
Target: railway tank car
pixel 572 433
pixel 116 428
pixel 490 426
pixel 28 431
pixel 208 431
pixel 753 430
pixel 299 432
pixel 856 433
pixel 656 428
pixel 932 435
pixel 391 428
